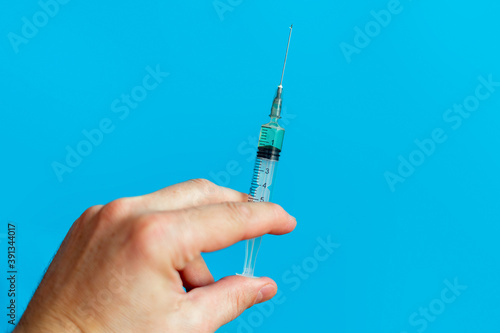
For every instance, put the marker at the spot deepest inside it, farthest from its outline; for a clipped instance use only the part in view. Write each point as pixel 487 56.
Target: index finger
pixel 188 232
pixel 215 227
pixel 194 192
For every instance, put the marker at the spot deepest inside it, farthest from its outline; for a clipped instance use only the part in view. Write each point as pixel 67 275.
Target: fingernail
pixel 265 293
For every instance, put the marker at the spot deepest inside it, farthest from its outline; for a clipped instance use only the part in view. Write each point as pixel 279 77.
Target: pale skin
pixel 122 266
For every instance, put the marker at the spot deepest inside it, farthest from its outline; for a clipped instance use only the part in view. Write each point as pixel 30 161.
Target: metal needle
pixel 286 54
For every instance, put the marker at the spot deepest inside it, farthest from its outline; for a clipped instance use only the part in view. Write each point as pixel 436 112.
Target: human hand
pixel 122 267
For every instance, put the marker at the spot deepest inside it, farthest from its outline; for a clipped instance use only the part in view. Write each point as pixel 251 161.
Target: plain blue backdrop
pixel 351 117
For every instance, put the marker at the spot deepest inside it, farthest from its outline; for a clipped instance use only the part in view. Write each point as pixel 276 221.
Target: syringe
pixel 268 153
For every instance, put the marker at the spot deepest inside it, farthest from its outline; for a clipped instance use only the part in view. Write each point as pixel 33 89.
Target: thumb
pixel 223 301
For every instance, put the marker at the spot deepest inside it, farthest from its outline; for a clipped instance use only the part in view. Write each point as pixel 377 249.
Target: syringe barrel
pixel 261 190
pixel 264 173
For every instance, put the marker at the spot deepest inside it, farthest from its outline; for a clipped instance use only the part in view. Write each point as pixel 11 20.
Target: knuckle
pixel 240 302
pixel 185 216
pixel 90 212
pixel 147 233
pixel 278 211
pixel 238 213
pixel 142 238
pixel 116 209
pixel 205 186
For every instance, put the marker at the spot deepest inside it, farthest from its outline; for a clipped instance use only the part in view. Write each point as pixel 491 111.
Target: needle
pixel 276 108
pixel 286 54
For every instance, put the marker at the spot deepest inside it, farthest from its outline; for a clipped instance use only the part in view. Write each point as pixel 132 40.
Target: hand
pixel 122 267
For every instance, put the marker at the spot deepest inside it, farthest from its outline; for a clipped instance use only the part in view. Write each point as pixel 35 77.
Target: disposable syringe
pixel 264 173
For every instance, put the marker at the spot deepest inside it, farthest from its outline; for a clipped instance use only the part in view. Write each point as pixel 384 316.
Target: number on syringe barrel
pixel 262 193
pixel 264 181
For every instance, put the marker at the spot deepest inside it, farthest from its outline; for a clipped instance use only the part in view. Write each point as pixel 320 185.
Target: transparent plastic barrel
pixel 260 191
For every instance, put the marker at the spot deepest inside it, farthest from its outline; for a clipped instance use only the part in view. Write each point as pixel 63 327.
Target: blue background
pixel 347 124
